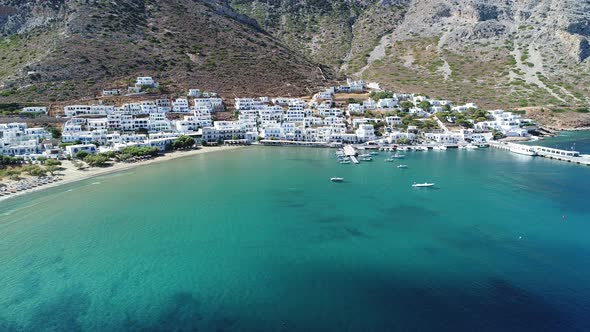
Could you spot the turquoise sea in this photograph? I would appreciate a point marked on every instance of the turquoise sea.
(259, 239)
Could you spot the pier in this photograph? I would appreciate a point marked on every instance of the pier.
(569, 156)
(351, 153)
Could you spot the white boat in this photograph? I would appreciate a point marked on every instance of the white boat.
(421, 185)
(398, 156)
(374, 153)
(403, 148)
(471, 147)
(336, 179)
(389, 160)
(439, 147)
(523, 149)
(402, 166)
(462, 147)
(366, 158)
(364, 155)
(345, 161)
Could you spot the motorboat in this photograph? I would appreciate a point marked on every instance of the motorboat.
(366, 158)
(345, 161)
(374, 153)
(398, 156)
(336, 179)
(421, 185)
(389, 160)
(471, 147)
(402, 166)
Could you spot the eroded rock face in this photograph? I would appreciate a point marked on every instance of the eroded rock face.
(22, 16)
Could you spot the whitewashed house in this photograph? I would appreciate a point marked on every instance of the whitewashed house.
(72, 150)
(365, 133)
(393, 120)
(355, 108)
(180, 105)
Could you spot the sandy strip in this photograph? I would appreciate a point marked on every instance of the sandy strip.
(70, 174)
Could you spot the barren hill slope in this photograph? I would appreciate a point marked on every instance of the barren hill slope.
(496, 52)
(65, 49)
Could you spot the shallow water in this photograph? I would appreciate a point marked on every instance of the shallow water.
(259, 239)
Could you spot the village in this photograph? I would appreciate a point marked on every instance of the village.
(366, 115)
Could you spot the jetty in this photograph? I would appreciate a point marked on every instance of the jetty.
(569, 156)
(351, 153)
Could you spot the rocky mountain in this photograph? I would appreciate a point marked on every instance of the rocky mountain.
(498, 53)
(68, 49)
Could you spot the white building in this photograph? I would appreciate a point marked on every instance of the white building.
(365, 133)
(355, 108)
(180, 106)
(72, 150)
(75, 110)
(145, 81)
(393, 120)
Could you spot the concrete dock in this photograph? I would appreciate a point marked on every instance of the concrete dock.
(569, 156)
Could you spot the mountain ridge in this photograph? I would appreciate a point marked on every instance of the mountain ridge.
(499, 53)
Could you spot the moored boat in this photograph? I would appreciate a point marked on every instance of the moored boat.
(421, 185)
(336, 179)
(402, 166)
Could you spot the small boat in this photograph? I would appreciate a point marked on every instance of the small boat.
(374, 153)
(402, 166)
(364, 155)
(337, 179)
(403, 148)
(345, 161)
(471, 147)
(421, 185)
(366, 159)
(397, 155)
(389, 160)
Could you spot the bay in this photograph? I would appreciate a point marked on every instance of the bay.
(259, 239)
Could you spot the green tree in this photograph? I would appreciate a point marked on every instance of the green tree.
(404, 140)
(446, 108)
(13, 174)
(52, 169)
(406, 105)
(496, 134)
(183, 141)
(96, 160)
(424, 105)
(55, 133)
(381, 95)
(52, 162)
(41, 160)
(81, 154)
(34, 170)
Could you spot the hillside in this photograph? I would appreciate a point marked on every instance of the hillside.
(66, 49)
(497, 53)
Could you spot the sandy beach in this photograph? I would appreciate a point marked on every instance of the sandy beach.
(70, 173)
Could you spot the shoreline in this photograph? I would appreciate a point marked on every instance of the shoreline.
(71, 175)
